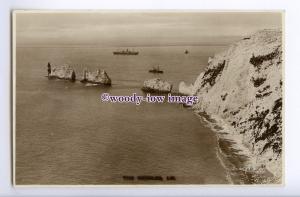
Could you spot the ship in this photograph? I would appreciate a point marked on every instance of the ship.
(186, 52)
(126, 52)
(156, 70)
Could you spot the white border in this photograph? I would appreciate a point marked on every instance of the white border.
(292, 96)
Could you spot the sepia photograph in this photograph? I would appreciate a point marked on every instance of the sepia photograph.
(177, 97)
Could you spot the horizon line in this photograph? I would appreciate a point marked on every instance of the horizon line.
(106, 46)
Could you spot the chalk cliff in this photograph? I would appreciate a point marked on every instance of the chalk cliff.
(242, 86)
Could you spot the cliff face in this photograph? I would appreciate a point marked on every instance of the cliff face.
(243, 87)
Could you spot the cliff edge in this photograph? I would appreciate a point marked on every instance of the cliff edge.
(242, 86)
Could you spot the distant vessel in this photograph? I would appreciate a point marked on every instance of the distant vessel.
(186, 51)
(156, 70)
(126, 52)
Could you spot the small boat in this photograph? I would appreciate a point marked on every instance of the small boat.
(156, 70)
(186, 52)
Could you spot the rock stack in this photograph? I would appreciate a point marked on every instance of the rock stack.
(96, 77)
(157, 85)
(64, 72)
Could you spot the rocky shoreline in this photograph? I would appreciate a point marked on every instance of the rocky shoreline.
(236, 158)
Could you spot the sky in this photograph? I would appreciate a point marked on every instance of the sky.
(139, 28)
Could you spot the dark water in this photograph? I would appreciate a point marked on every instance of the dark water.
(66, 135)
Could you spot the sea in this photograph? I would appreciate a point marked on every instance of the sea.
(65, 134)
